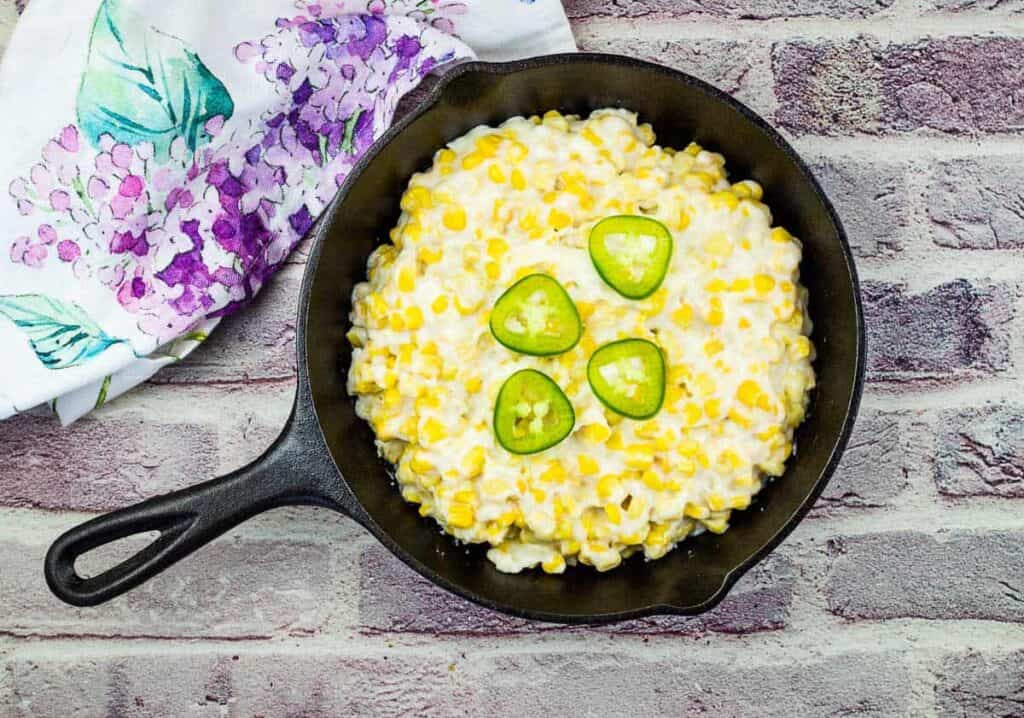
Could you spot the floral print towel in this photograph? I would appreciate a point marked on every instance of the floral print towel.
(163, 159)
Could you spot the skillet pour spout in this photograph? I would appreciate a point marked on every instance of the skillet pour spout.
(326, 454)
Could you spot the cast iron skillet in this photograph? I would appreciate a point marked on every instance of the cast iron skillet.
(326, 457)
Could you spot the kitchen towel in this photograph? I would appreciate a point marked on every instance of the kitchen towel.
(163, 158)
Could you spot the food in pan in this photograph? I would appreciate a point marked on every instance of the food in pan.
(580, 345)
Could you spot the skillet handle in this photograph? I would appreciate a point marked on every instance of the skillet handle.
(295, 470)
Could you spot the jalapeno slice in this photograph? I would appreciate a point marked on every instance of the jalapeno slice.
(628, 376)
(536, 316)
(531, 413)
(631, 253)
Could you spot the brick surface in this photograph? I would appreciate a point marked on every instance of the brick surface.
(910, 574)
(395, 599)
(958, 85)
(238, 587)
(100, 463)
(872, 199)
(981, 685)
(981, 452)
(233, 683)
(731, 66)
(884, 450)
(755, 9)
(977, 203)
(955, 329)
(1001, 6)
(629, 684)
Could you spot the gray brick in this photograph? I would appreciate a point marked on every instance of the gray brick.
(394, 599)
(100, 463)
(959, 85)
(609, 683)
(978, 684)
(872, 199)
(238, 587)
(977, 203)
(981, 452)
(1003, 6)
(884, 450)
(909, 574)
(955, 329)
(225, 683)
(729, 65)
(754, 9)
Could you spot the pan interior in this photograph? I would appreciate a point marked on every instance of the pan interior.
(680, 110)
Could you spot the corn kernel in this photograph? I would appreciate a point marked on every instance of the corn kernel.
(683, 316)
(396, 323)
(454, 218)
(596, 433)
(518, 180)
(748, 392)
(739, 502)
(801, 347)
(461, 516)
(614, 512)
(440, 304)
(492, 270)
(713, 408)
(640, 456)
(716, 525)
(554, 564)
(554, 472)
(713, 347)
(413, 317)
(692, 413)
(763, 283)
(416, 198)
(558, 219)
(434, 430)
(718, 245)
(496, 248)
(686, 467)
(743, 323)
(739, 419)
(473, 160)
(779, 234)
(406, 279)
(652, 480)
(607, 485)
(587, 465)
(695, 512)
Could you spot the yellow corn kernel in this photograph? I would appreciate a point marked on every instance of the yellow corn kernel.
(651, 480)
(538, 495)
(488, 144)
(454, 218)
(744, 481)
(473, 462)
(496, 248)
(692, 413)
(446, 156)
(739, 502)
(704, 385)
(596, 433)
(461, 516)
(715, 315)
(740, 284)
(429, 255)
(743, 323)
(474, 384)
(554, 472)
(747, 392)
(473, 160)
(420, 463)
(718, 245)
(434, 430)
(686, 467)
(647, 135)
(496, 174)
(682, 220)
(801, 347)
(716, 502)
(465, 496)
(731, 459)
(739, 419)
(763, 283)
(640, 456)
(615, 441)
(693, 149)
(396, 323)
(786, 287)
(614, 512)
(440, 304)
(587, 465)
(716, 525)
(592, 137)
(713, 347)
(694, 511)
(713, 408)
(647, 430)
(726, 199)
(683, 316)
(413, 317)
(406, 279)
(716, 285)
(607, 485)
(391, 398)
(492, 270)
(558, 220)
(688, 447)
(779, 234)
(770, 433)
(518, 180)
(416, 198)
(554, 564)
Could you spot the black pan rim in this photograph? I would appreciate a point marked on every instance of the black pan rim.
(451, 74)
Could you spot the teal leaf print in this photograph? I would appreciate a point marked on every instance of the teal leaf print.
(142, 85)
(61, 333)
